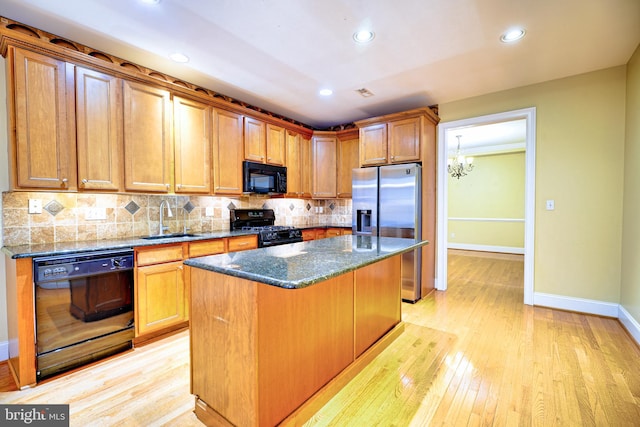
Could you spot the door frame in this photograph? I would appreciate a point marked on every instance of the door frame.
(529, 114)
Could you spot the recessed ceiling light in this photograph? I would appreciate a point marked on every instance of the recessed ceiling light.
(363, 36)
(326, 92)
(513, 35)
(179, 57)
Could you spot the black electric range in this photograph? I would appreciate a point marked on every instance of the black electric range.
(262, 222)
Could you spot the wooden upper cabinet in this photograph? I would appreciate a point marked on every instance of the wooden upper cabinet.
(276, 144)
(192, 151)
(395, 138)
(324, 161)
(373, 145)
(227, 152)
(254, 140)
(404, 140)
(147, 138)
(305, 166)
(348, 145)
(44, 148)
(99, 130)
(294, 173)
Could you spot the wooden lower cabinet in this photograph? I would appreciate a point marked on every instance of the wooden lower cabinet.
(282, 346)
(377, 301)
(323, 233)
(276, 340)
(160, 295)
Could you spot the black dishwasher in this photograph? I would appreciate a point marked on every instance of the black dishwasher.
(83, 308)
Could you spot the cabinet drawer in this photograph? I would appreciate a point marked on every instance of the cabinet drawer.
(242, 243)
(210, 247)
(333, 232)
(158, 255)
(308, 235)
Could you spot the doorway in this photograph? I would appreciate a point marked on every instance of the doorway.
(444, 132)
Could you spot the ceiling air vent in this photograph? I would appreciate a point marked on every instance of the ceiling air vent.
(364, 92)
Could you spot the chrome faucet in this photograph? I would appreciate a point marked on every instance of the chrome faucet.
(163, 227)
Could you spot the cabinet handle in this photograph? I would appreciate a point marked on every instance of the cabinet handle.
(178, 186)
(85, 180)
(168, 185)
(64, 182)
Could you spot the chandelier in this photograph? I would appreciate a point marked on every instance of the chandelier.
(458, 165)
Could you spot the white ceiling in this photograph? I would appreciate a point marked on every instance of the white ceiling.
(277, 54)
(502, 137)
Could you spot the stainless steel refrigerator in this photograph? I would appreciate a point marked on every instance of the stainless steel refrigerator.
(387, 203)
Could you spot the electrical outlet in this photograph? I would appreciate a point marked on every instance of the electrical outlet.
(94, 214)
(35, 206)
(209, 211)
(453, 235)
(551, 205)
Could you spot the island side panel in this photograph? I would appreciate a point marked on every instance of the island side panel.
(21, 320)
(305, 338)
(223, 345)
(377, 301)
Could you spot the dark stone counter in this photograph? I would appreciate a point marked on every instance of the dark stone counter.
(65, 248)
(298, 265)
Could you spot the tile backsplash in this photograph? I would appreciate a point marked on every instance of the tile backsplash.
(80, 216)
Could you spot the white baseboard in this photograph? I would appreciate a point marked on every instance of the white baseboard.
(4, 350)
(632, 326)
(579, 305)
(486, 248)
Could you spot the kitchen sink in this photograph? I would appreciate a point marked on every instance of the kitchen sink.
(167, 236)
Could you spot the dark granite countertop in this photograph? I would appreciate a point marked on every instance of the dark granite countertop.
(298, 265)
(64, 248)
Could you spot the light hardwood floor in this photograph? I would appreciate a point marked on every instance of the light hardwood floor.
(474, 355)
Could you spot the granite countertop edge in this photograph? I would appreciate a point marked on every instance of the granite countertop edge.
(66, 248)
(310, 280)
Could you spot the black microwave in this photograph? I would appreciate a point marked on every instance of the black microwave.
(263, 179)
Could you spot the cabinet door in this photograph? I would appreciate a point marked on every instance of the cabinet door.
(305, 167)
(160, 297)
(254, 140)
(192, 139)
(373, 145)
(276, 137)
(147, 138)
(44, 137)
(294, 173)
(404, 140)
(347, 161)
(99, 130)
(227, 152)
(324, 158)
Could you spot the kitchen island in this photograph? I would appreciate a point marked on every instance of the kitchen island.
(276, 332)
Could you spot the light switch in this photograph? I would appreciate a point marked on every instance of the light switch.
(35, 206)
(551, 205)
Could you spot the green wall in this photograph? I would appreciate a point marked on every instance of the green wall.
(580, 136)
(630, 288)
(493, 190)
